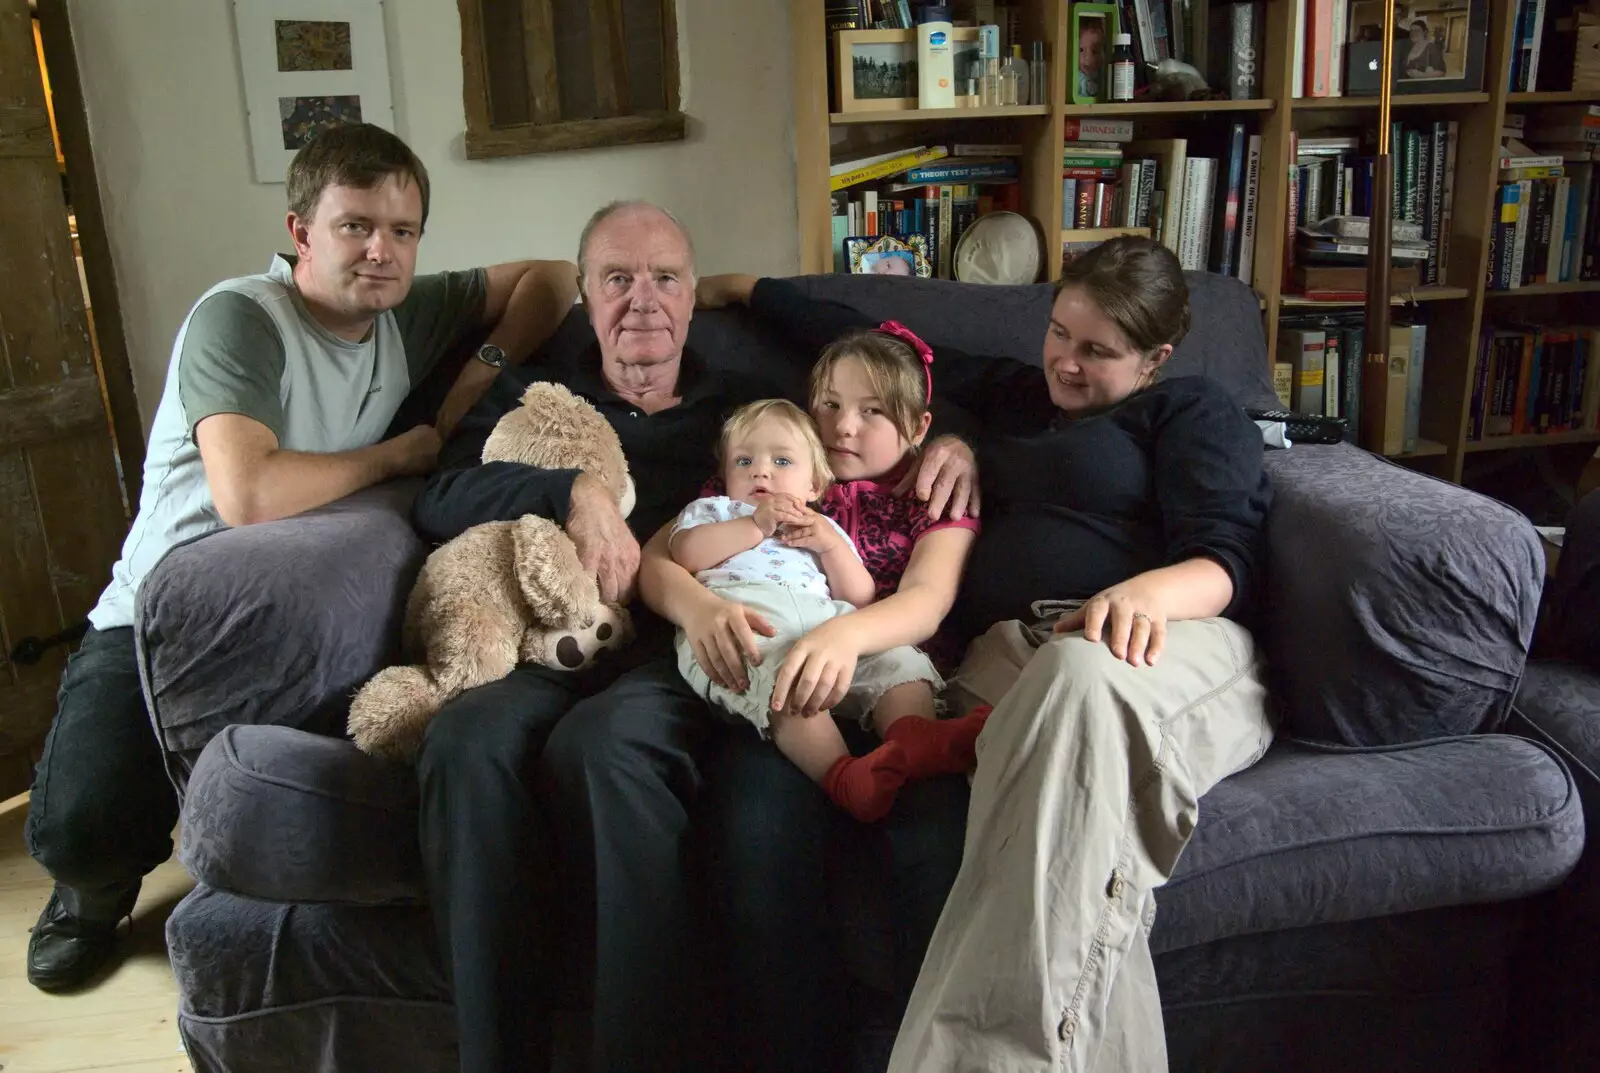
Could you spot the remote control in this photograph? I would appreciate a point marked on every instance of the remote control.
(1304, 428)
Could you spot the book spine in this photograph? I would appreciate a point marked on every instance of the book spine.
(1419, 340)
(1147, 193)
(1244, 53)
(1319, 45)
(963, 173)
(1446, 215)
(1354, 359)
(1247, 220)
(1098, 130)
(1519, 238)
(1225, 233)
(1434, 221)
(1533, 50)
(1336, 50)
(1331, 374)
(1298, 64)
(1292, 203)
(1480, 379)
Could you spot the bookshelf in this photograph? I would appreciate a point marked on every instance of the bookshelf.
(1460, 305)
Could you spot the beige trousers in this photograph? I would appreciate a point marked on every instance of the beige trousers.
(1089, 775)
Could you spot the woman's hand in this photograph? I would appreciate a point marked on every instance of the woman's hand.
(722, 635)
(1131, 616)
(945, 474)
(818, 670)
(714, 292)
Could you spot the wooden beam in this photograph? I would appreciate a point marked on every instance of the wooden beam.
(94, 241)
(25, 132)
(808, 45)
(474, 66)
(539, 48)
(576, 134)
(669, 54)
(44, 412)
(610, 56)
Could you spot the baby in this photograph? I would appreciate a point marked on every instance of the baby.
(761, 546)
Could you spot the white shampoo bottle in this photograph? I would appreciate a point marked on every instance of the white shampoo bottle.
(936, 71)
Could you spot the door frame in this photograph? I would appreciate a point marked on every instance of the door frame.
(105, 313)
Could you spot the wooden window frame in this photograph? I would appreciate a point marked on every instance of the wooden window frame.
(548, 133)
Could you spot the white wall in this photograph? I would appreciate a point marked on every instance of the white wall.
(167, 118)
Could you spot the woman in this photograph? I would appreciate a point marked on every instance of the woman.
(770, 826)
(1143, 498)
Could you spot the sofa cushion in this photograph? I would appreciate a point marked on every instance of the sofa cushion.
(278, 813)
(316, 988)
(1320, 834)
(1395, 607)
(278, 623)
(1563, 701)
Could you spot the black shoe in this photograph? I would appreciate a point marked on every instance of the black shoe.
(66, 951)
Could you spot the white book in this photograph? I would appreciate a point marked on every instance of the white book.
(1538, 32)
(1247, 213)
(1198, 187)
(1299, 48)
(1331, 357)
(1413, 426)
(870, 208)
(1336, 52)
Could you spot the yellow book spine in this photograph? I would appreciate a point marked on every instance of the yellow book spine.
(885, 168)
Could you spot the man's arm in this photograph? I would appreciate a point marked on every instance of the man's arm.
(526, 301)
(253, 480)
(455, 500)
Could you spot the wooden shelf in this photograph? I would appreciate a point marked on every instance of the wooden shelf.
(1420, 294)
(1161, 108)
(1558, 96)
(1414, 100)
(1548, 439)
(1425, 449)
(1581, 287)
(922, 115)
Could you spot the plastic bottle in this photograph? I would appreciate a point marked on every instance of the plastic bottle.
(989, 76)
(1039, 75)
(1122, 69)
(1014, 78)
(936, 66)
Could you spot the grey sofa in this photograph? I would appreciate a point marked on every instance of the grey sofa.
(1358, 900)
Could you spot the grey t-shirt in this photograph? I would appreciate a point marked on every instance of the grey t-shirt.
(250, 347)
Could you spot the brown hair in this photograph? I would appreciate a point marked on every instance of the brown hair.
(896, 374)
(1138, 283)
(752, 414)
(351, 154)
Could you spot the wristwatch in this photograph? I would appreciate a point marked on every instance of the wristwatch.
(492, 356)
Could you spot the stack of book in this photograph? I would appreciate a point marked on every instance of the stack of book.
(1319, 366)
(1331, 258)
(1547, 204)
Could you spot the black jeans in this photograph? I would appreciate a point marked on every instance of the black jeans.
(770, 832)
(102, 808)
(553, 819)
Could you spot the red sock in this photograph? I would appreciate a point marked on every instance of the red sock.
(939, 746)
(865, 786)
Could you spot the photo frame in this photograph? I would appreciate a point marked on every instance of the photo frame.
(876, 70)
(307, 65)
(884, 255)
(1094, 29)
(1438, 46)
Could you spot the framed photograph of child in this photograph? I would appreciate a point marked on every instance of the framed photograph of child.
(888, 255)
(876, 70)
(1094, 30)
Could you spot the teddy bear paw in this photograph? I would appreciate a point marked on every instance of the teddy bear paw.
(579, 649)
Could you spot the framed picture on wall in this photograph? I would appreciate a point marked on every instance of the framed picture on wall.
(1438, 44)
(309, 64)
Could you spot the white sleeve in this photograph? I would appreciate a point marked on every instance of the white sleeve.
(708, 511)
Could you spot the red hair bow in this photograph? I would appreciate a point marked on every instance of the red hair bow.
(924, 351)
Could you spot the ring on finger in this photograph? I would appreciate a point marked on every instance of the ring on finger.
(1141, 614)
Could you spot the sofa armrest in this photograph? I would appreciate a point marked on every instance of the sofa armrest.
(1396, 607)
(277, 623)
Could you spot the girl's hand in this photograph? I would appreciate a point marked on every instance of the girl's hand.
(1131, 616)
(813, 533)
(777, 510)
(945, 475)
(722, 635)
(818, 670)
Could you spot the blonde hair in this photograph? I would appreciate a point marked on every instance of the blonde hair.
(896, 373)
(747, 417)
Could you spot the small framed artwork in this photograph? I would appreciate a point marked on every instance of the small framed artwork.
(308, 65)
(888, 255)
(1438, 45)
(876, 70)
(1094, 31)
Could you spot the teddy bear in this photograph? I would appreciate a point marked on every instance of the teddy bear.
(502, 593)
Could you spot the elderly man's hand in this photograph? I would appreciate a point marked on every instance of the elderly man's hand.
(606, 546)
(945, 475)
(714, 292)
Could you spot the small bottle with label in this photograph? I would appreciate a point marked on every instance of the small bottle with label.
(1039, 74)
(1122, 69)
(989, 75)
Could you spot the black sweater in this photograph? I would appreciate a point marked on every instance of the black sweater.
(1074, 505)
(670, 453)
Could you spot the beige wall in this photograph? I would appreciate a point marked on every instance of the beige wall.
(167, 117)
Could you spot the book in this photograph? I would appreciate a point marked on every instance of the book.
(1234, 53)
(883, 169)
(1247, 219)
(1084, 129)
(1171, 156)
(1342, 280)
(1283, 382)
(963, 171)
(1302, 350)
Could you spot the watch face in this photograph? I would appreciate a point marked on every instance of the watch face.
(490, 354)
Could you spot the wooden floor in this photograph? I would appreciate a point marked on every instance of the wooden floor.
(126, 1019)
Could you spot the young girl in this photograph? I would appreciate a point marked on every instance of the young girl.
(760, 545)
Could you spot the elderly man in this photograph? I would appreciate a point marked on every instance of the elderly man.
(582, 784)
(278, 395)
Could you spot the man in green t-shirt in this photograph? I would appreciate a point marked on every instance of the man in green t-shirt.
(278, 395)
